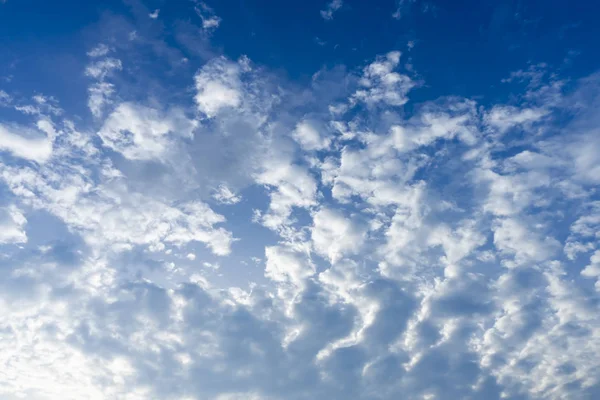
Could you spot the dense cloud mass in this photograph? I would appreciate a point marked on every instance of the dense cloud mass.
(434, 249)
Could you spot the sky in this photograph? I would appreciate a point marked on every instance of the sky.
(299, 200)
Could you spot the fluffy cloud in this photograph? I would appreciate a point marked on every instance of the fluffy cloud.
(335, 236)
(311, 135)
(285, 265)
(292, 187)
(593, 269)
(24, 142)
(12, 223)
(381, 84)
(511, 236)
(408, 252)
(332, 7)
(224, 195)
(108, 215)
(142, 133)
(504, 118)
(218, 86)
(210, 21)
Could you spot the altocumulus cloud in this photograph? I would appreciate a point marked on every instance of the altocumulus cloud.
(443, 248)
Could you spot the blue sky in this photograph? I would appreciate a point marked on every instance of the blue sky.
(299, 200)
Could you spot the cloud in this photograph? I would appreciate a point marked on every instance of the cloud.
(24, 142)
(100, 96)
(210, 21)
(311, 135)
(101, 92)
(218, 87)
(330, 9)
(401, 7)
(12, 223)
(335, 236)
(154, 14)
(512, 237)
(593, 269)
(399, 251)
(5, 98)
(99, 51)
(224, 195)
(106, 216)
(504, 118)
(381, 84)
(286, 265)
(103, 68)
(142, 133)
(292, 186)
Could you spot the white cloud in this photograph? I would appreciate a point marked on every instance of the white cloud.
(107, 215)
(5, 98)
(292, 186)
(25, 142)
(142, 133)
(331, 8)
(311, 135)
(103, 68)
(413, 253)
(210, 21)
(401, 6)
(433, 124)
(12, 223)
(459, 243)
(511, 194)
(504, 118)
(154, 14)
(213, 266)
(99, 97)
(101, 92)
(586, 161)
(593, 269)
(48, 104)
(512, 237)
(381, 84)
(224, 195)
(99, 51)
(584, 232)
(218, 86)
(43, 106)
(334, 236)
(286, 265)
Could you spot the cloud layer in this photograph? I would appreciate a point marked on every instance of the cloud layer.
(446, 250)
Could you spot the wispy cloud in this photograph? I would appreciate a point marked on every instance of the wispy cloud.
(331, 8)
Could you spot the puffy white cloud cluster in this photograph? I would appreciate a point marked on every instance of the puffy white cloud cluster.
(142, 133)
(381, 84)
(446, 252)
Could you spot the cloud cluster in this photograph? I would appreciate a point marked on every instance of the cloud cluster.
(331, 8)
(449, 250)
